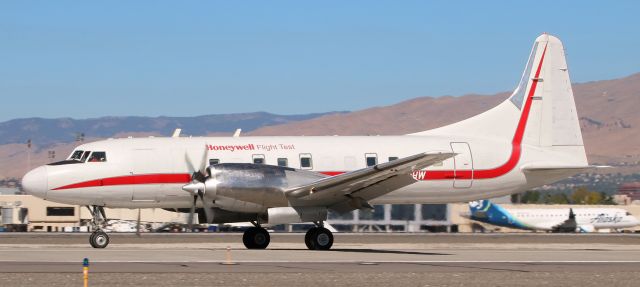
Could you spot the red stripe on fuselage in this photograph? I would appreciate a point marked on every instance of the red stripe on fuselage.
(331, 173)
(132, 179)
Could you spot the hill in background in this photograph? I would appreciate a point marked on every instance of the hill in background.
(46, 132)
(608, 112)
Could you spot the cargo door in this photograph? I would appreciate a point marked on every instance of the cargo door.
(463, 165)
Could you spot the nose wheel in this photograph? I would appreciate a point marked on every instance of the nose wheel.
(318, 238)
(98, 238)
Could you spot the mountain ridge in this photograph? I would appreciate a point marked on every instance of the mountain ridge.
(608, 112)
(46, 132)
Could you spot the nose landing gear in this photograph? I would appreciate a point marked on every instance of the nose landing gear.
(99, 238)
(318, 238)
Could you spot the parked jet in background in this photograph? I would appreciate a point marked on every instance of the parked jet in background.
(531, 139)
(552, 219)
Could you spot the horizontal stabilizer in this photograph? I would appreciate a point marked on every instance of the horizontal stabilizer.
(550, 167)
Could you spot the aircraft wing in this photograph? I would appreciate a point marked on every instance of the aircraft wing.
(547, 226)
(352, 190)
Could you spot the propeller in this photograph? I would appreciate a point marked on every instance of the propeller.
(192, 212)
(198, 187)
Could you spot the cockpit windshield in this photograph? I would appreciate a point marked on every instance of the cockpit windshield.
(80, 156)
(98, 156)
(76, 155)
(85, 155)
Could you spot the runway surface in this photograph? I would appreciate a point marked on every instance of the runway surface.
(356, 259)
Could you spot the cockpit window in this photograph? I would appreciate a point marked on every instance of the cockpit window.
(98, 156)
(76, 155)
(85, 155)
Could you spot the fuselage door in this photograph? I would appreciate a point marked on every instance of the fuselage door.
(463, 165)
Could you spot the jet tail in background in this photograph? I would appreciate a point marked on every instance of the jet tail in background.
(479, 209)
(488, 212)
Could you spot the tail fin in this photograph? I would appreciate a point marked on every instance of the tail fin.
(541, 112)
(479, 208)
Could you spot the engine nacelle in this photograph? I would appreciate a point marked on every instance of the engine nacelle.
(255, 183)
(284, 215)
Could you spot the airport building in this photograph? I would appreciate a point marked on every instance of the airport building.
(628, 193)
(28, 213)
(397, 217)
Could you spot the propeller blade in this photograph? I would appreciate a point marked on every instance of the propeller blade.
(204, 164)
(201, 173)
(192, 212)
(189, 163)
(207, 206)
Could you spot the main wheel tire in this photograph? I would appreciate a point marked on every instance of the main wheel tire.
(99, 239)
(256, 238)
(93, 234)
(246, 238)
(322, 239)
(308, 238)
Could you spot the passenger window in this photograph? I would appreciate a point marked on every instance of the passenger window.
(283, 162)
(371, 158)
(305, 161)
(214, 161)
(85, 156)
(98, 156)
(392, 158)
(258, 159)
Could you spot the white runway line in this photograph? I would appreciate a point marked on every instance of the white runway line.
(355, 261)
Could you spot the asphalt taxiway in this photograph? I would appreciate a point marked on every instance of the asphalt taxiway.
(356, 259)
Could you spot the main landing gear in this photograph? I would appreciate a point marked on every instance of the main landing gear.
(256, 237)
(99, 238)
(318, 238)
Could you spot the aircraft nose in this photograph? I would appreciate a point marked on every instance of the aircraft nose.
(35, 182)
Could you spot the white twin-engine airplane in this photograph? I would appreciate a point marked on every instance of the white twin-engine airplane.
(531, 139)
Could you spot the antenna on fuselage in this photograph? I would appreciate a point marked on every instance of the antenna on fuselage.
(237, 133)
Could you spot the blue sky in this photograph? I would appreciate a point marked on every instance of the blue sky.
(86, 59)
